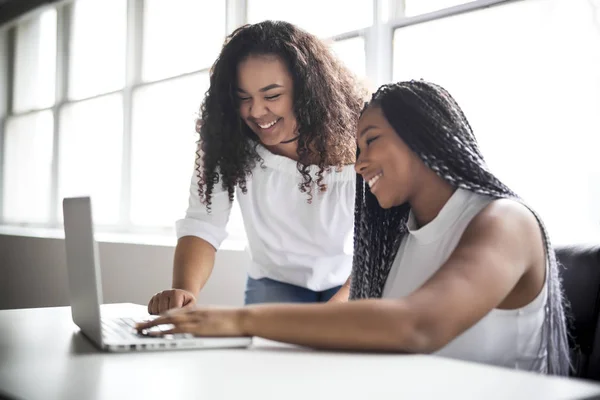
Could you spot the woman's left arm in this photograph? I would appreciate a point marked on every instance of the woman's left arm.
(490, 259)
(343, 294)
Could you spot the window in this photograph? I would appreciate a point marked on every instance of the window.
(164, 152)
(98, 38)
(35, 64)
(28, 162)
(181, 36)
(352, 53)
(3, 77)
(526, 74)
(529, 96)
(164, 148)
(90, 154)
(323, 18)
(416, 7)
(334, 17)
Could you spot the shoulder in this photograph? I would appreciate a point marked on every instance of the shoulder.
(508, 224)
(506, 215)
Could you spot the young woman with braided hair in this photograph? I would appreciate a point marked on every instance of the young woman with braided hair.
(447, 259)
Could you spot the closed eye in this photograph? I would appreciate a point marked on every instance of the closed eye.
(244, 98)
(272, 97)
(371, 140)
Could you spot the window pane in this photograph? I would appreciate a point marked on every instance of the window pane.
(333, 16)
(97, 63)
(28, 162)
(91, 137)
(163, 148)
(531, 95)
(181, 36)
(352, 53)
(35, 62)
(164, 151)
(416, 7)
(3, 73)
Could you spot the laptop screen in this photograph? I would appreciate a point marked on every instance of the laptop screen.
(83, 267)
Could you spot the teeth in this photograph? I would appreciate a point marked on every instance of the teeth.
(267, 126)
(374, 180)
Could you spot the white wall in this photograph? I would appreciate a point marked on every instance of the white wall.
(33, 273)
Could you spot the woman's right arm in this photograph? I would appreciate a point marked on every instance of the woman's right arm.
(192, 265)
(199, 235)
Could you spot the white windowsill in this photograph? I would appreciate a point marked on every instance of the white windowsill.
(147, 239)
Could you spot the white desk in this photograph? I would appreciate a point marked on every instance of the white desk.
(42, 356)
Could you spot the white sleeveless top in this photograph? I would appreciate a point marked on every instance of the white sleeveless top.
(509, 338)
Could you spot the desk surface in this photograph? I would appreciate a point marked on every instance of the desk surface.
(43, 356)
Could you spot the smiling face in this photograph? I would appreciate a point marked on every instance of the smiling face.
(265, 91)
(385, 162)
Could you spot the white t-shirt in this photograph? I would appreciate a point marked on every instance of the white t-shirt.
(509, 338)
(289, 240)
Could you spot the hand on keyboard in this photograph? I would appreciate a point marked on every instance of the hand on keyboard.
(199, 322)
(169, 299)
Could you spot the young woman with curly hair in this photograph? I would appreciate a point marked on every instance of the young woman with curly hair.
(447, 259)
(276, 132)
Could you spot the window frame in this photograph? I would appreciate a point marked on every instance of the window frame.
(388, 16)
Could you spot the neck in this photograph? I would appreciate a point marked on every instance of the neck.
(429, 199)
(291, 140)
(287, 149)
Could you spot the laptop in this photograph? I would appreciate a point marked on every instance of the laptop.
(112, 334)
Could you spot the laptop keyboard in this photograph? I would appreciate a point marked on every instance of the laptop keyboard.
(118, 329)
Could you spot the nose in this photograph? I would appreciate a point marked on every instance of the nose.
(360, 164)
(257, 110)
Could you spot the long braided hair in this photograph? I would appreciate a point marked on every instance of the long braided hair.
(434, 127)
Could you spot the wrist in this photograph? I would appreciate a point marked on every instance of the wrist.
(189, 290)
(245, 320)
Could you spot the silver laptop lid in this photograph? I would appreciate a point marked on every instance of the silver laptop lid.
(83, 267)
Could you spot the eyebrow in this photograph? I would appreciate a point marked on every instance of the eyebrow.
(265, 89)
(369, 127)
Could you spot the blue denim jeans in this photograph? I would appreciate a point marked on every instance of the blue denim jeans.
(266, 290)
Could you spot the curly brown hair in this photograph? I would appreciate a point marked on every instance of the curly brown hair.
(327, 103)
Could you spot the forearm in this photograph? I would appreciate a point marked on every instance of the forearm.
(193, 263)
(343, 294)
(357, 325)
